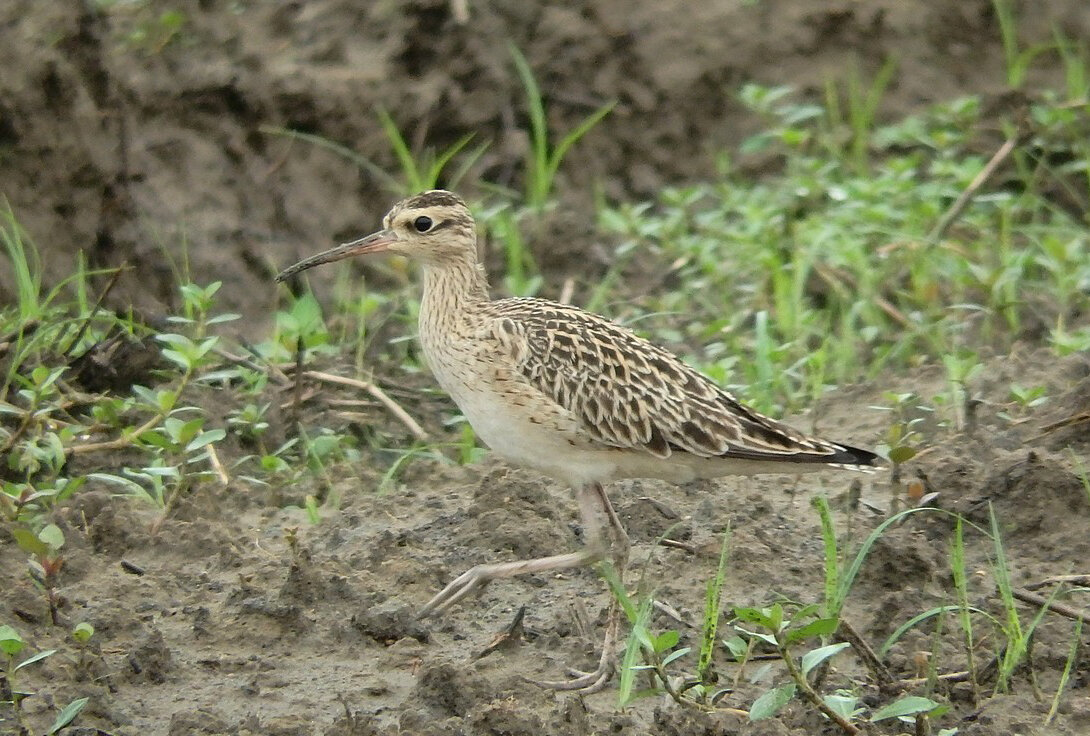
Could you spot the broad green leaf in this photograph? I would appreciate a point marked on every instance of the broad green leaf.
(226, 317)
(36, 658)
(675, 655)
(819, 627)
(131, 485)
(813, 658)
(666, 640)
(205, 345)
(906, 706)
(67, 715)
(771, 702)
(10, 641)
(52, 535)
(737, 646)
(844, 706)
(171, 338)
(205, 438)
(82, 632)
(760, 616)
(902, 454)
(775, 614)
(632, 652)
(29, 542)
(177, 358)
(766, 638)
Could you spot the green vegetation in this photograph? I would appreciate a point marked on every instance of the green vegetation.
(834, 269)
(11, 647)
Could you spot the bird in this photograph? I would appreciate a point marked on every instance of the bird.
(573, 395)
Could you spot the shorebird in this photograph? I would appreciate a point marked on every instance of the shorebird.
(573, 395)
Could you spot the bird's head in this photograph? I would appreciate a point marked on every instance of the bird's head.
(433, 227)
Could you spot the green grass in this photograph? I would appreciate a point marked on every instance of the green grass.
(544, 157)
(822, 275)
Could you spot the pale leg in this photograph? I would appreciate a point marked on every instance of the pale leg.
(589, 499)
(592, 682)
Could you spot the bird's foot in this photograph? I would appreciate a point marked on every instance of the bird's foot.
(475, 578)
(586, 683)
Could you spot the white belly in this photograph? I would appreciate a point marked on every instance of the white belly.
(532, 436)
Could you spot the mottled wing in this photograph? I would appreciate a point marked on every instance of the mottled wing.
(628, 393)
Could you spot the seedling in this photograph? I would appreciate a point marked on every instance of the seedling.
(1024, 399)
(543, 160)
(423, 172)
(11, 645)
(45, 561)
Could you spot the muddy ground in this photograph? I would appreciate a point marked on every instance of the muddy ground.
(122, 136)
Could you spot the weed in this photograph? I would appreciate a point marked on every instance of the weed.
(11, 646)
(862, 106)
(784, 626)
(712, 611)
(961, 586)
(419, 171)
(45, 562)
(1018, 60)
(543, 159)
(1018, 640)
(422, 172)
(1066, 674)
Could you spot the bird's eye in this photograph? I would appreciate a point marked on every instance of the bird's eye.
(422, 224)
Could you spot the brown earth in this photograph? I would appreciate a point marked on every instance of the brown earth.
(239, 617)
(124, 145)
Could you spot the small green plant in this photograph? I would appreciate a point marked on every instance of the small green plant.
(1024, 399)
(785, 120)
(1017, 638)
(45, 561)
(423, 172)
(642, 644)
(419, 172)
(149, 32)
(543, 159)
(11, 646)
(906, 432)
(1065, 676)
(1018, 60)
(961, 368)
(862, 107)
(175, 440)
(67, 715)
(785, 626)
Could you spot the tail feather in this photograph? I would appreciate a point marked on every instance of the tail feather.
(843, 456)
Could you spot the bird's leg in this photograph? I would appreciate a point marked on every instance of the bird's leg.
(592, 682)
(479, 576)
(621, 543)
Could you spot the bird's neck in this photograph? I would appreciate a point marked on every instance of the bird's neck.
(451, 288)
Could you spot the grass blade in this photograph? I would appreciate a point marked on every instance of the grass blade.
(832, 558)
(961, 586)
(712, 607)
(1066, 674)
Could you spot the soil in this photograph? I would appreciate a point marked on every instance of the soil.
(121, 137)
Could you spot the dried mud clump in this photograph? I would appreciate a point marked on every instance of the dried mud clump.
(150, 660)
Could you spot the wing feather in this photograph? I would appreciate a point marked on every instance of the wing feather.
(629, 393)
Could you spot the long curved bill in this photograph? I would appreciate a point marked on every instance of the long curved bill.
(373, 243)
